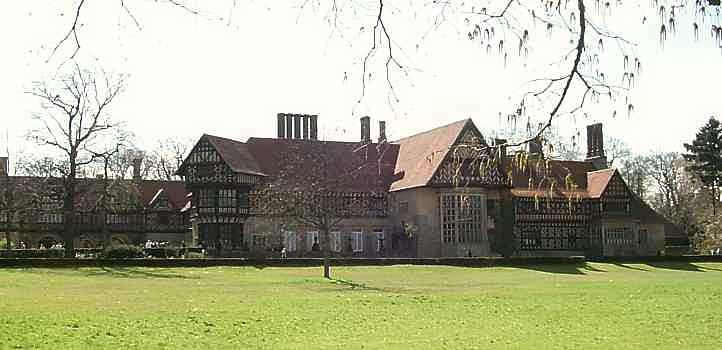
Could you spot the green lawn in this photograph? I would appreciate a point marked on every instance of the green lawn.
(597, 306)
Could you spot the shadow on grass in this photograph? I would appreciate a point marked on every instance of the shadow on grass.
(565, 269)
(630, 267)
(128, 272)
(677, 265)
(354, 285)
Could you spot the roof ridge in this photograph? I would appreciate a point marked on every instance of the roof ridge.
(600, 170)
(222, 138)
(434, 129)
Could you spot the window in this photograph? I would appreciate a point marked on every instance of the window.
(291, 240)
(117, 219)
(205, 198)
(357, 241)
(379, 240)
(619, 236)
(643, 236)
(462, 218)
(227, 198)
(336, 241)
(312, 242)
(51, 218)
(259, 240)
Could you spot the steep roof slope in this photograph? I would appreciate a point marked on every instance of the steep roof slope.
(558, 173)
(420, 155)
(235, 154)
(347, 166)
(175, 190)
(598, 181)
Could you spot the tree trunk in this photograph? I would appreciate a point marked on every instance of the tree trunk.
(326, 250)
(326, 268)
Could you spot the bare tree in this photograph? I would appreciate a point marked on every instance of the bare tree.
(320, 186)
(616, 150)
(162, 162)
(74, 122)
(636, 175)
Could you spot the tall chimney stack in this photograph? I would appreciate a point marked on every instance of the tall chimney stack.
(366, 129)
(289, 126)
(382, 131)
(304, 119)
(281, 126)
(4, 166)
(137, 162)
(595, 146)
(296, 126)
(313, 128)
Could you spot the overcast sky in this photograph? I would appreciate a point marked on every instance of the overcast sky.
(229, 71)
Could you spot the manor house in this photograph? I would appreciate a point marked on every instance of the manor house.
(441, 193)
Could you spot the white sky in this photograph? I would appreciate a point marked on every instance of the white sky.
(191, 75)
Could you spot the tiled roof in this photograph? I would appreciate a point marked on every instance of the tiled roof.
(175, 190)
(420, 155)
(91, 189)
(598, 181)
(347, 166)
(235, 154)
(558, 172)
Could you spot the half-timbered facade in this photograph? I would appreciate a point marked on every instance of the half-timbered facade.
(427, 195)
(108, 212)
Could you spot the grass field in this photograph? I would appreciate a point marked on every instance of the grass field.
(596, 306)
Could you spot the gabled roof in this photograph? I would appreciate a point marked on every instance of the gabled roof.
(235, 154)
(597, 181)
(558, 172)
(174, 190)
(420, 155)
(348, 166)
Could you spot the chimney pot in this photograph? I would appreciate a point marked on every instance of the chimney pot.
(366, 129)
(313, 128)
(137, 162)
(382, 131)
(4, 166)
(289, 126)
(281, 126)
(305, 126)
(296, 126)
(595, 146)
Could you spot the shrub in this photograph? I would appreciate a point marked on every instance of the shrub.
(123, 251)
(194, 255)
(32, 253)
(162, 253)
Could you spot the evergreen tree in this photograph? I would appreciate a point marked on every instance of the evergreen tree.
(705, 155)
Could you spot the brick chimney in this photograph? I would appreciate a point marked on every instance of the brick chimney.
(137, 162)
(313, 128)
(4, 166)
(281, 126)
(304, 122)
(366, 129)
(296, 126)
(382, 131)
(595, 146)
(289, 126)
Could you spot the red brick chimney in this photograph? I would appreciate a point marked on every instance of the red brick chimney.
(595, 146)
(366, 129)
